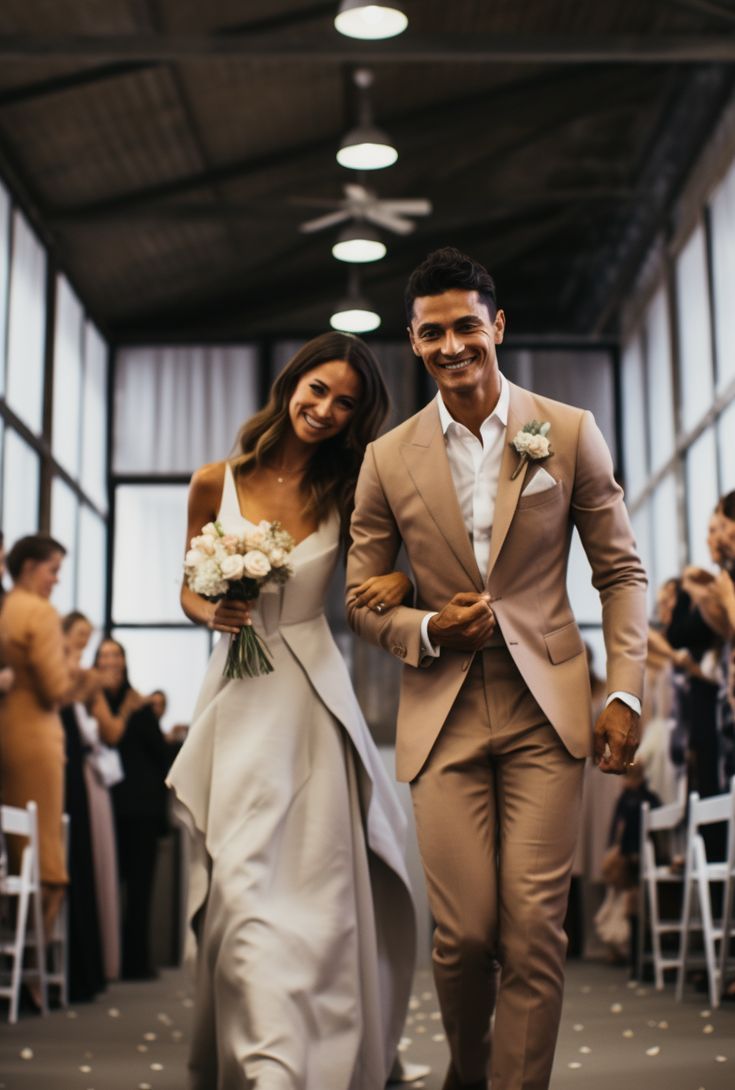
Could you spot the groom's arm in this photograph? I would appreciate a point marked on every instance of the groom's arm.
(376, 542)
(619, 577)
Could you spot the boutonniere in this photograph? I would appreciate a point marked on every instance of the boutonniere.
(532, 443)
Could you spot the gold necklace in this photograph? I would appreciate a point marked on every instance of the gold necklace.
(282, 477)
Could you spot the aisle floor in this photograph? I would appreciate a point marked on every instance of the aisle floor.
(614, 1035)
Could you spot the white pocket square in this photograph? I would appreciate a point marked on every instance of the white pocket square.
(540, 482)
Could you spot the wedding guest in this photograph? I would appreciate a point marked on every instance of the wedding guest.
(31, 735)
(139, 801)
(86, 971)
(6, 673)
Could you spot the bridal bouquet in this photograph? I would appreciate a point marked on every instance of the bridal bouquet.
(220, 565)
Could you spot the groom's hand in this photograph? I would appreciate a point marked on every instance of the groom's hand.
(465, 624)
(617, 734)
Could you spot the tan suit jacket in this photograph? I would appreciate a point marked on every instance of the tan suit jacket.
(405, 495)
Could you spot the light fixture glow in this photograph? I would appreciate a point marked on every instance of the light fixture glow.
(358, 243)
(356, 19)
(366, 149)
(355, 320)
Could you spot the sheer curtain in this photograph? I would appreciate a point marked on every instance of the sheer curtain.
(67, 407)
(4, 267)
(723, 274)
(26, 325)
(179, 407)
(695, 341)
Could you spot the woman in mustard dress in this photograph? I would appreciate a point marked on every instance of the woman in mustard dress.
(31, 735)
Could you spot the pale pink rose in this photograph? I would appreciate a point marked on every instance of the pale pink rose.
(194, 557)
(211, 530)
(232, 567)
(229, 543)
(204, 543)
(256, 564)
(537, 446)
(278, 557)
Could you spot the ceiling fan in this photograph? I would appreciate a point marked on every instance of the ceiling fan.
(360, 203)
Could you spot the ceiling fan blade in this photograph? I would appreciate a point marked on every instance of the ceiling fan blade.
(321, 222)
(316, 202)
(378, 215)
(408, 207)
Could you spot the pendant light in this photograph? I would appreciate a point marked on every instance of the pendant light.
(357, 19)
(359, 243)
(354, 314)
(366, 147)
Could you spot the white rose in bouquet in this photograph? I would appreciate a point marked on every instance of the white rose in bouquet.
(236, 566)
(204, 578)
(205, 543)
(256, 564)
(278, 557)
(232, 567)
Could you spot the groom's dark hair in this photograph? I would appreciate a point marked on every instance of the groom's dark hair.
(446, 269)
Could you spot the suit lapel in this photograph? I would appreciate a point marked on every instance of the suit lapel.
(427, 463)
(520, 411)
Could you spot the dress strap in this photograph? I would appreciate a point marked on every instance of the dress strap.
(229, 504)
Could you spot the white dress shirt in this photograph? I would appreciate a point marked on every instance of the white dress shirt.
(475, 467)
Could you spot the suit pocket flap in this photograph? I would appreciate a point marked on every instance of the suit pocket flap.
(564, 643)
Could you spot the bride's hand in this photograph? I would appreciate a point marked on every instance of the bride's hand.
(229, 616)
(382, 592)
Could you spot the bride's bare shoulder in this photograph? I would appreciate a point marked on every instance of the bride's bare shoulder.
(207, 481)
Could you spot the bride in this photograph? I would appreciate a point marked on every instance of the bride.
(298, 895)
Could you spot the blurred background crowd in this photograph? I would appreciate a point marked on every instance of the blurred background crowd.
(78, 738)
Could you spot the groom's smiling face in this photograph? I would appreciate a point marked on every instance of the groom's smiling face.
(455, 337)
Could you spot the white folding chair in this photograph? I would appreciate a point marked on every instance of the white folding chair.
(19, 892)
(700, 875)
(56, 952)
(663, 821)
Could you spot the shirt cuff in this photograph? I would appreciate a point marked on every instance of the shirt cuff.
(627, 698)
(426, 645)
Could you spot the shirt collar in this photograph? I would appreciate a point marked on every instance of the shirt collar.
(500, 410)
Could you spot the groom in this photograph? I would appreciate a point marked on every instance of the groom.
(494, 716)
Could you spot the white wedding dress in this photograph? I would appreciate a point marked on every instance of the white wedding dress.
(298, 891)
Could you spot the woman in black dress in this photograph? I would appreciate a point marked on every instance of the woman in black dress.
(139, 801)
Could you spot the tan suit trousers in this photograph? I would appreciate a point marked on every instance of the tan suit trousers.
(497, 808)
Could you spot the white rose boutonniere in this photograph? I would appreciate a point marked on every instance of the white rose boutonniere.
(532, 443)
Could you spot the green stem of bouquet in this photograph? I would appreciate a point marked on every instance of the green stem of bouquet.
(247, 655)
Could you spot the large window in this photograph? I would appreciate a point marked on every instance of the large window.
(722, 211)
(694, 327)
(4, 268)
(68, 362)
(54, 469)
(26, 325)
(634, 417)
(701, 494)
(21, 488)
(660, 385)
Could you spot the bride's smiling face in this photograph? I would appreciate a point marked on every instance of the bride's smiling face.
(324, 401)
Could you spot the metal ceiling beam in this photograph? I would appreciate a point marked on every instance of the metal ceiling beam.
(719, 11)
(685, 127)
(568, 96)
(329, 48)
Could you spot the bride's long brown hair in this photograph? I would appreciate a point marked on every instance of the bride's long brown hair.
(332, 470)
